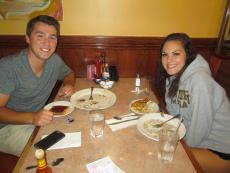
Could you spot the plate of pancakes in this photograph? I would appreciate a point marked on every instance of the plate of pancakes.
(60, 108)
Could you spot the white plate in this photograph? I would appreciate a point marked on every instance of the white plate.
(102, 98)
(156, 116)
(155, 105)
(60, 103)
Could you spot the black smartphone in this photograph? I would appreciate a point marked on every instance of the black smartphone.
(49, 140)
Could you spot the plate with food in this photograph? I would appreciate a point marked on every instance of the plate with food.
(102, 99)
(143, 106)
(145, 125)
(60, 108)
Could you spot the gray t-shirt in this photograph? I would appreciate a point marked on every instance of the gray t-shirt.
(27, 91)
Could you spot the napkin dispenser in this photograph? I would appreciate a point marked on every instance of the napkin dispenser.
(113, 73)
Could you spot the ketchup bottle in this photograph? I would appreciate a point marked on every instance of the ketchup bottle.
(98, 68)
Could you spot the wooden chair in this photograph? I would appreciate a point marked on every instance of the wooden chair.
(214, 64)
(7, 162)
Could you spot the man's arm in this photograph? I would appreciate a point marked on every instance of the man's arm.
(68, 85)
(10, 116)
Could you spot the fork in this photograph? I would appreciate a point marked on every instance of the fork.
(91, 94)
(162, 123)
(161, 110)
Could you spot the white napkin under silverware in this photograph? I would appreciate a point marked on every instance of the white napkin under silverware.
(123, 123)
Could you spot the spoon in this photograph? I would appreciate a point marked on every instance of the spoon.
(57, 161)
(161, 110)
(123, 116)
(162, 123)
(53, 163)
(178, 126)
(91, 94)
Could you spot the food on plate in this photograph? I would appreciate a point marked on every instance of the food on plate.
(94, 102)
(81, 100)
(144, 105)
(59, 109)
(152, 130)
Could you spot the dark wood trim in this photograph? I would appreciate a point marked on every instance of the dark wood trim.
(192, 158)
(101, 42)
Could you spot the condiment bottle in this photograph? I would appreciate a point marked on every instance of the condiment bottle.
(137, 83)
(98, 68)
(41, 162)
(105, 73)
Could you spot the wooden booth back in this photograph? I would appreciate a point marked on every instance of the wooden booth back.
(129, 54)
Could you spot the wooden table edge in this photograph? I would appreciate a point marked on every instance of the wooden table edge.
(25, 151)
(191, 157)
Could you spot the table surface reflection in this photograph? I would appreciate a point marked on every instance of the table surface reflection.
(128, 148)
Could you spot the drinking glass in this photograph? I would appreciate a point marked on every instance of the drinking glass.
(167, 144)
(97, 123)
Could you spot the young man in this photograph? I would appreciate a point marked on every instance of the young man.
(26, 82)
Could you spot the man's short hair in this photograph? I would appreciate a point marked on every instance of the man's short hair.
(44, 19)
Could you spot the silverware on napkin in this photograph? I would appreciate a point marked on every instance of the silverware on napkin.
(123, 121)
(54, 163)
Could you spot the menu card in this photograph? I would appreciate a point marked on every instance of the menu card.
(104, 165)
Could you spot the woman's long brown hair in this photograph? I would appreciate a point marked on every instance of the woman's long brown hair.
(162, 75)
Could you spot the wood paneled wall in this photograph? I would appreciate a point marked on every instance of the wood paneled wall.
(129, 54)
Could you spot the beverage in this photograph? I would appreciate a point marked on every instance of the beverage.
(167, 145)
(97, 124)
(166, 152)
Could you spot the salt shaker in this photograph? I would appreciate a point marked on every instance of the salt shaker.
(137, 83)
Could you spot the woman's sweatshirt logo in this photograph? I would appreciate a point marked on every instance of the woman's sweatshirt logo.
(182, 99)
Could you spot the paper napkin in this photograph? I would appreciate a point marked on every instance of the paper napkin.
(123, 123)
(70, 140)
(104, 165)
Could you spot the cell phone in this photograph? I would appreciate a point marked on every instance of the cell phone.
(49, 140)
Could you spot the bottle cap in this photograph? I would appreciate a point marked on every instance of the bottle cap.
(39, 153)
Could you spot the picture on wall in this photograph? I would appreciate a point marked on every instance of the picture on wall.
(26, 9)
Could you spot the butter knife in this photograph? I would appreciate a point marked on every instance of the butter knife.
(124, 121)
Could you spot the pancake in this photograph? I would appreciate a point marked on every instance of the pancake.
(59, 109)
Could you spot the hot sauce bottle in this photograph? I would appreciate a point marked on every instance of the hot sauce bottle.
(98, 68)
(41, 162)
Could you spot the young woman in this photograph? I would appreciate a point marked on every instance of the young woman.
(185, 79)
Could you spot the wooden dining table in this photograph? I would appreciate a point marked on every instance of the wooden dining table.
(128, 148)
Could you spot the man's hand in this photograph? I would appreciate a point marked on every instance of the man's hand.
(68, 86)
(42, 117)
(66, 91)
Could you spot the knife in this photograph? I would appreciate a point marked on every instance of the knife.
(123, 121)
(54, 163)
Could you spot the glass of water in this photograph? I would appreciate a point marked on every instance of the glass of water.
(167, 145)
(97, 123)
